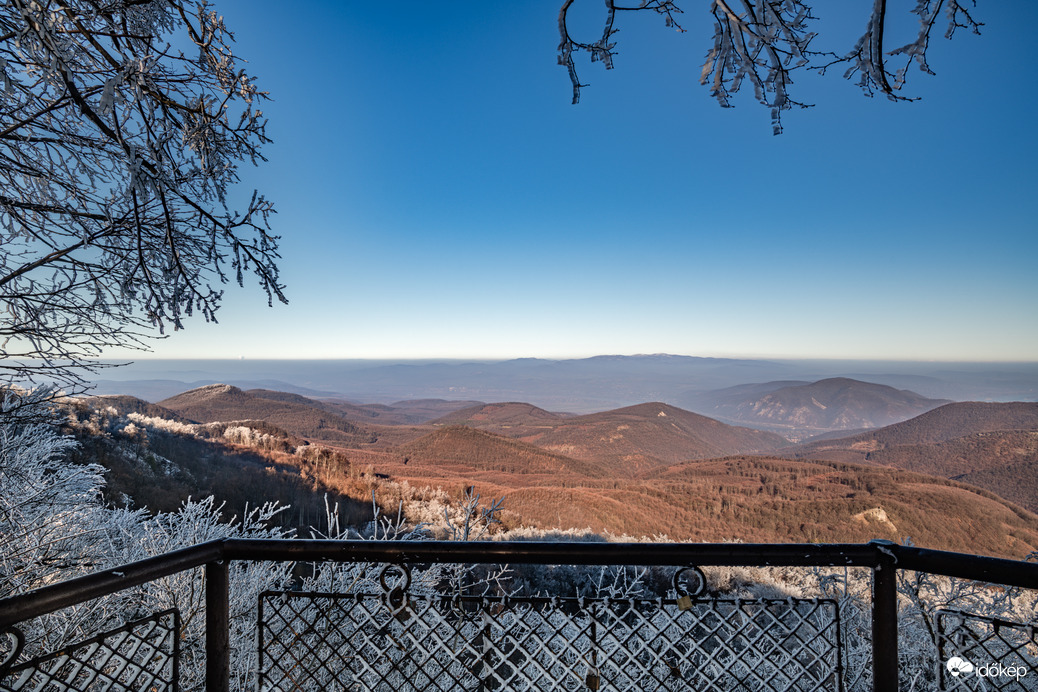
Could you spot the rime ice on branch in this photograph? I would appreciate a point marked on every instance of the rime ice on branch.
(117, 152)
(764, 42)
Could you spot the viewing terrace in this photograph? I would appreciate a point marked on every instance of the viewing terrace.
(435, 615)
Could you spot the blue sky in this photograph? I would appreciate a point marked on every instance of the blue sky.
(439, 196)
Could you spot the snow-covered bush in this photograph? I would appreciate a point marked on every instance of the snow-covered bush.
(163, 424)
(50, 511)
(198, 522)
(53, 526)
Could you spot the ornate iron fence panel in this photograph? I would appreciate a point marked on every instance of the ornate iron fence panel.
(984, 653)
(400, 641)
(140, 656)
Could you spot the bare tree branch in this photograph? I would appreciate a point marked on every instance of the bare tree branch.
(764, 42)
(117, 153)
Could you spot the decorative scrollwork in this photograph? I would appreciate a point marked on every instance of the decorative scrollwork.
(12, 640)
(402, 583)
(395, 587)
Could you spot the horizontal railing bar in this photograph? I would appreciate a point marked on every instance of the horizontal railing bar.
(61, 595)
(995, 570)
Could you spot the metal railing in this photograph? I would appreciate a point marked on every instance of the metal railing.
(429, 618)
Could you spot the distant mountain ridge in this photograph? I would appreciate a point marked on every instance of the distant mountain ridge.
(581, 385)
(837, 403)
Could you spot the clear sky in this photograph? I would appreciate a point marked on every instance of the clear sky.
(439, 196)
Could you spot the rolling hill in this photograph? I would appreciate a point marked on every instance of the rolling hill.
(991, 445)
(124, 404)
(400, 413)
(295, 414)
(477, 452)
(627, 440)
(945, 423)
(656, 469)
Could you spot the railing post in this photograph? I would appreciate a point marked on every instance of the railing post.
(884, 619)
(217, 627)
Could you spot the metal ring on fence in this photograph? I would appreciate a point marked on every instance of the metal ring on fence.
(396, 595)
(681, 581)
(402, 584)
(17, 642)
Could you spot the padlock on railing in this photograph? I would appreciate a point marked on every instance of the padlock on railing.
(689, 582)
(592, 680)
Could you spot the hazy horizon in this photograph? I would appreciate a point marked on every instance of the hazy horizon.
(575, 385)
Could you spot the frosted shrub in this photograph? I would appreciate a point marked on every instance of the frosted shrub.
(467, 521)
(50, 510)
(163, 424)
(53, 526)
(198, 522)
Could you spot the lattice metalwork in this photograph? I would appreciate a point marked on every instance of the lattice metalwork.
(396, 641)
(141, 656)
(983, 653)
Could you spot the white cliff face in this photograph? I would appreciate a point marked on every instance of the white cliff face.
(875, 518)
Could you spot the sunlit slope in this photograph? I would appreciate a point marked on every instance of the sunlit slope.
(297, 415)
(991, 445)
(628, 440)
(763, 500)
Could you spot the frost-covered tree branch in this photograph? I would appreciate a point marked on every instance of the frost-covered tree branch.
(868, 58)
(117, 154)
(764, 42)
(602, 50)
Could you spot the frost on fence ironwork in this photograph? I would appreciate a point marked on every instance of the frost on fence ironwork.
(985, 653)
(140, 656)
(396, 641)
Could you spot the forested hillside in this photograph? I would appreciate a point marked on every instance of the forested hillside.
(643, 470)
(158, 463)
(216, 403)
(626, 440)
(990, 445)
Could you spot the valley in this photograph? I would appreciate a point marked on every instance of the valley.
(957, 477)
